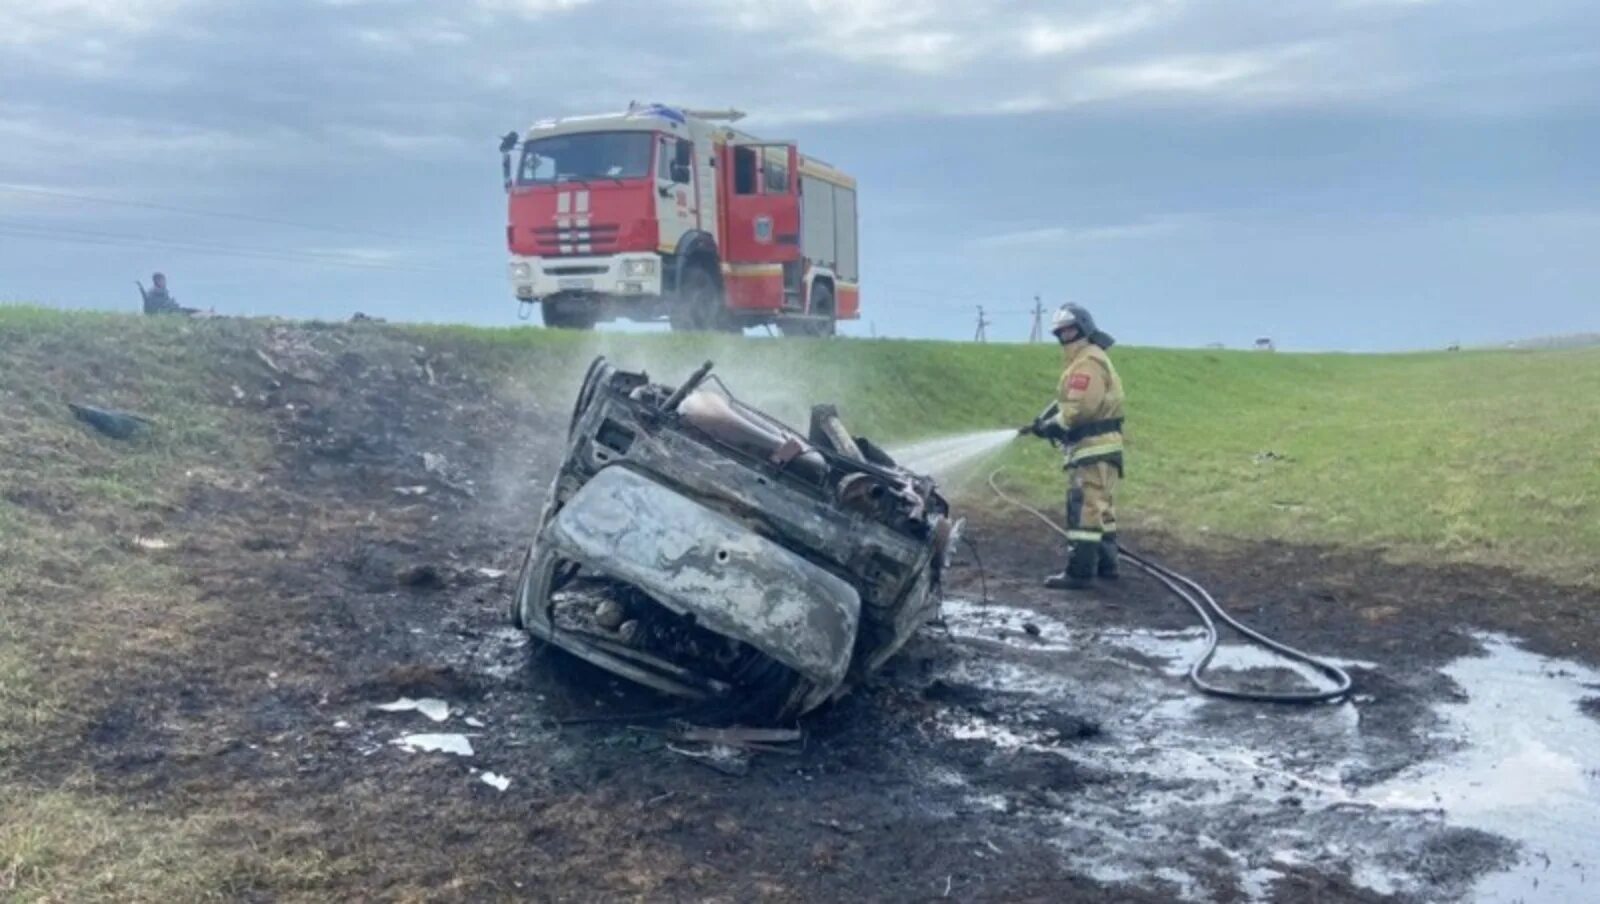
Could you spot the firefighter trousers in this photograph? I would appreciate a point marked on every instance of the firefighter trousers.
(1092, 519)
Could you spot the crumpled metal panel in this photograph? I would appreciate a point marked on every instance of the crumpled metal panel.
(696, 560)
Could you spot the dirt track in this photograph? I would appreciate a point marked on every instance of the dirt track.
(993, 761)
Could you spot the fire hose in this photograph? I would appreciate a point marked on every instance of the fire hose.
(1210, 611)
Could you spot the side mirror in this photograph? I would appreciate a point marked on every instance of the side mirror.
(508, 143)
(680, 173)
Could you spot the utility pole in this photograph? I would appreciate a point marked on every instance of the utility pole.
(1037, 333)
(982, 335)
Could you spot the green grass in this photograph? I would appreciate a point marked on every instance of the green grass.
(1486, 456)
(81, 608)
(71, 846)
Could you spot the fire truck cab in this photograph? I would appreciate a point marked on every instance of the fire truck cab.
(660, 213)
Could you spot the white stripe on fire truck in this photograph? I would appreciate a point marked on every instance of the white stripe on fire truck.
(583, 201)
(563, 202)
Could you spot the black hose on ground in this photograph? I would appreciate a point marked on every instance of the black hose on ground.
(1205, 606)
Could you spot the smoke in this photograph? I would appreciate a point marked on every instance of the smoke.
(529, 449)
(754, 369)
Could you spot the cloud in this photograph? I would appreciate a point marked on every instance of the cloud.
(1055, 36)
(530, 9)
(33, 22)
(1197, 73)
(1049, 236)
(182, 79)
(408, 144)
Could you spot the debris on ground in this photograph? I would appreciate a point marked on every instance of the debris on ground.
(457, 744)
(732, 560)
(432, 707)
(767, 740)
(115, 424)
(497, 782)
(153, 544)
(726, 760)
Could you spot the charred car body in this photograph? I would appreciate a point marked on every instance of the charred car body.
(698, 546)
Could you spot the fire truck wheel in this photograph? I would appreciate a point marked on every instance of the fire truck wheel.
(566, 316)
(821, 306)
(700, 305)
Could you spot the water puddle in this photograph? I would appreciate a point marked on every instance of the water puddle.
(1527, 767)
(1275, 790)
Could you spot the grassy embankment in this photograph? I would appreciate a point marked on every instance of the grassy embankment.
(1489, 457)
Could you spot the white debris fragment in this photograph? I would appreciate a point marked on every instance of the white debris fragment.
(341, 725)
(433, 463)
(440, 743)
(497, 782)
(475, 723)
(492, 574)
(153, 543)
(411, 491)
(432, 707)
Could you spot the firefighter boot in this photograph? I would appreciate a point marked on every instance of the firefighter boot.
(1080, 568)
(1107, 568)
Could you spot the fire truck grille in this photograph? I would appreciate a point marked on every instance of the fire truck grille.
(578, 238)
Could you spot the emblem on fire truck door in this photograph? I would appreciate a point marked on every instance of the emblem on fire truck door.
(764, 230)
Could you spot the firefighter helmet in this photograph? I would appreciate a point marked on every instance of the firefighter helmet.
(1072, 315)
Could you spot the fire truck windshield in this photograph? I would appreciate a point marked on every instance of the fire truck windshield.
(590, 155)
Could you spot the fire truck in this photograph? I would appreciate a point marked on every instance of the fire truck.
(661, 213)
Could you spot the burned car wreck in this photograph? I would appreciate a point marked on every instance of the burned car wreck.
(698, 546)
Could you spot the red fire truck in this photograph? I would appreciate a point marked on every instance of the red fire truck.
(660, 213)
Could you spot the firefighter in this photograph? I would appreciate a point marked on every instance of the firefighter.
(1089, 426)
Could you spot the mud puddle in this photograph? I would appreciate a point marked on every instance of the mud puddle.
(1491, 796)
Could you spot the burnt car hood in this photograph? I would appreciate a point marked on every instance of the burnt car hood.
(699, 562)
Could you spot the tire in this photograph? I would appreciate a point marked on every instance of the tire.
(567, 317)
(821, 303)
(700, 304)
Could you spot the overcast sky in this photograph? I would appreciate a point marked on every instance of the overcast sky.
(1351, 174)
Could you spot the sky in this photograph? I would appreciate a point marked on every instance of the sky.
(1362, 175)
